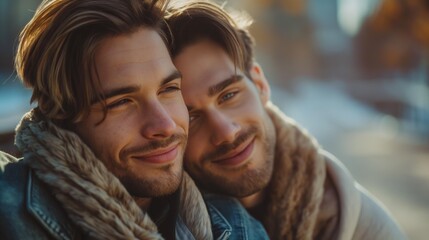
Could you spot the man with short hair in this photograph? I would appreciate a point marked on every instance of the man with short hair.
(103, 149)
(241, 145)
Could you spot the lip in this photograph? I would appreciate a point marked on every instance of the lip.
(237, 156)
(160, 156)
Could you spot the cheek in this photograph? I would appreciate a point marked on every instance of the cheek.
(192, 166)
(253, 108)
(178, 111)
(105, 141)
(192, 148)
(195, 149)
(108, 138)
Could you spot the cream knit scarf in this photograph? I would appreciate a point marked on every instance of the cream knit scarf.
(296, 189)
(92, 196)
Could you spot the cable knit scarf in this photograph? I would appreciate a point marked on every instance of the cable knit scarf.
(91, 195)
(296, 189)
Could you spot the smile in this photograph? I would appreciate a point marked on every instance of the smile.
(160, 156)
(238, 155)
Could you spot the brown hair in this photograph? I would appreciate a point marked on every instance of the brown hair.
(199, 20)
(55, 56)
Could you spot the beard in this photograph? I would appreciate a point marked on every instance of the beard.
(250, 181)
(159, 181)
(245, 180)
(165, 184)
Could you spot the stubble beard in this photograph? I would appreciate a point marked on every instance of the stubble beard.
(167, 183)
(167, 179)
(250, 181)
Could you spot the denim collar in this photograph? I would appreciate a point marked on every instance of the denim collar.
(44, 207)
(220, 226)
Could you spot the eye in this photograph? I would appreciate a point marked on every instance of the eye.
(192, 118)
(171, 88)
(227, 96)
(118, 103)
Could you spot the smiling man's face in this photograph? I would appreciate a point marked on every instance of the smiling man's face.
(231, 138)
(143, 137)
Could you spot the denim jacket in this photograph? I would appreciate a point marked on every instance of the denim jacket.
(230, 220)
(28, 210)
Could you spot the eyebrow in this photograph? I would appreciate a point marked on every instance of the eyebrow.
(218, 87)
(215, 89)
(134, 88)
(174, 75)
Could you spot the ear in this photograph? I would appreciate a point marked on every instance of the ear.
(260, 82)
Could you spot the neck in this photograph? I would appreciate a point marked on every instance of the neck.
(253, 200)
(143, 203)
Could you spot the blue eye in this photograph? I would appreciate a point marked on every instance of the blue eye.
(227, 96)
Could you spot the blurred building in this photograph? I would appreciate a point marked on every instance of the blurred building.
(392, 52)
(377, 48)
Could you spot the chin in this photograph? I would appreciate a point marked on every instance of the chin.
(154, 187)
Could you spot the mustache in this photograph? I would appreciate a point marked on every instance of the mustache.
(225, 148)
(153, 145)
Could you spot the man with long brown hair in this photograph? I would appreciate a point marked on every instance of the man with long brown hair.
(103, 149)
(241, 145)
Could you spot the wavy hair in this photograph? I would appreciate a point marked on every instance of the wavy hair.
(55, 55)
(193, 21)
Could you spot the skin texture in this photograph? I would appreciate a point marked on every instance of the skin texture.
(143, 137)
(231, 137)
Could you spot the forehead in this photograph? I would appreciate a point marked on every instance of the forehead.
(141, 54)
(203, 64)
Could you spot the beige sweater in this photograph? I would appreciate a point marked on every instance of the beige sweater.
(362, 216)
(313, 196)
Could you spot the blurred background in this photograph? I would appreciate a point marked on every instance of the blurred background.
(355, 73)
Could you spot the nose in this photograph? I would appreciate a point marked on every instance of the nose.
(223, 128)
(157, 122)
